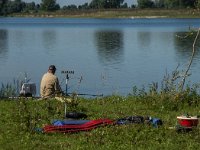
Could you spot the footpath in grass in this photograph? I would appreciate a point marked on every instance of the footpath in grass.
(20, 118)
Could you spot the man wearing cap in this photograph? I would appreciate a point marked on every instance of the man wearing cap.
(49, 86)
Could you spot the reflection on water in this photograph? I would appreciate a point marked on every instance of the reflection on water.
(184, 44)
(19, 38)
(49, 39)
(109, 46)
(144, 39)
(129, 51)
(3, 43)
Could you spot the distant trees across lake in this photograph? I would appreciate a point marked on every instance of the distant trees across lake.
(19, 6)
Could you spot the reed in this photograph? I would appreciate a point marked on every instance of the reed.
(10, 89)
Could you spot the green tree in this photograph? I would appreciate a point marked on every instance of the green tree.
(84, 6)
(30, 6)
(2, 7)
(70, 7)
(145, 3)
(125, 5)
(49, 5)
(15, 6)
(188, 3)
(197, 4)
(171, 3)
(180, 3)
(133, 6)
(159, 3)
(113, 3)
(2, 3)
(97, 4)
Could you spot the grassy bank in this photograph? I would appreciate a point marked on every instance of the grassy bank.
(19, 118)
(118, 13)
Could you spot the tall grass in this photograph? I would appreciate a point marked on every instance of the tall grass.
(10, 89)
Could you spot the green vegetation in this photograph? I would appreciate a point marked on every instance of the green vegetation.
(49, 5)
(113, 13)
(103, 9)
(20, 117)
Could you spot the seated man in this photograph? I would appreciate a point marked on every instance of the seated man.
(49, 86)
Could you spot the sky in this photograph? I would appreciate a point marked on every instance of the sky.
(77, 2)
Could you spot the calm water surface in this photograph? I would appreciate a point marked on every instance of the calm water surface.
(107, 55)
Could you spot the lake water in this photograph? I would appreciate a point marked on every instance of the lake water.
(107, 55)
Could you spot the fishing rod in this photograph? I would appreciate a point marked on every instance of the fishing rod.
(98, 95)
(67, 73)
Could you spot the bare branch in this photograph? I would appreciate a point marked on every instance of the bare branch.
(190, 62)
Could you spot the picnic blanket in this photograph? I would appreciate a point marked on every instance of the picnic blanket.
(76, 126)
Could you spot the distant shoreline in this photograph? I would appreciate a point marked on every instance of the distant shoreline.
(116, 13)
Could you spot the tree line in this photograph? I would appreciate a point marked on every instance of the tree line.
(17, 6)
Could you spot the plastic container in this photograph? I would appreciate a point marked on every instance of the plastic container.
(188, 121)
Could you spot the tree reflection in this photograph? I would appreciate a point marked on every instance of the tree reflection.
(3, 42)
(184, 44)
(49, 37)
(144, 39)
(110, 46)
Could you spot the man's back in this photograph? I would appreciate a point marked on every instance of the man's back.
(49, 85)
